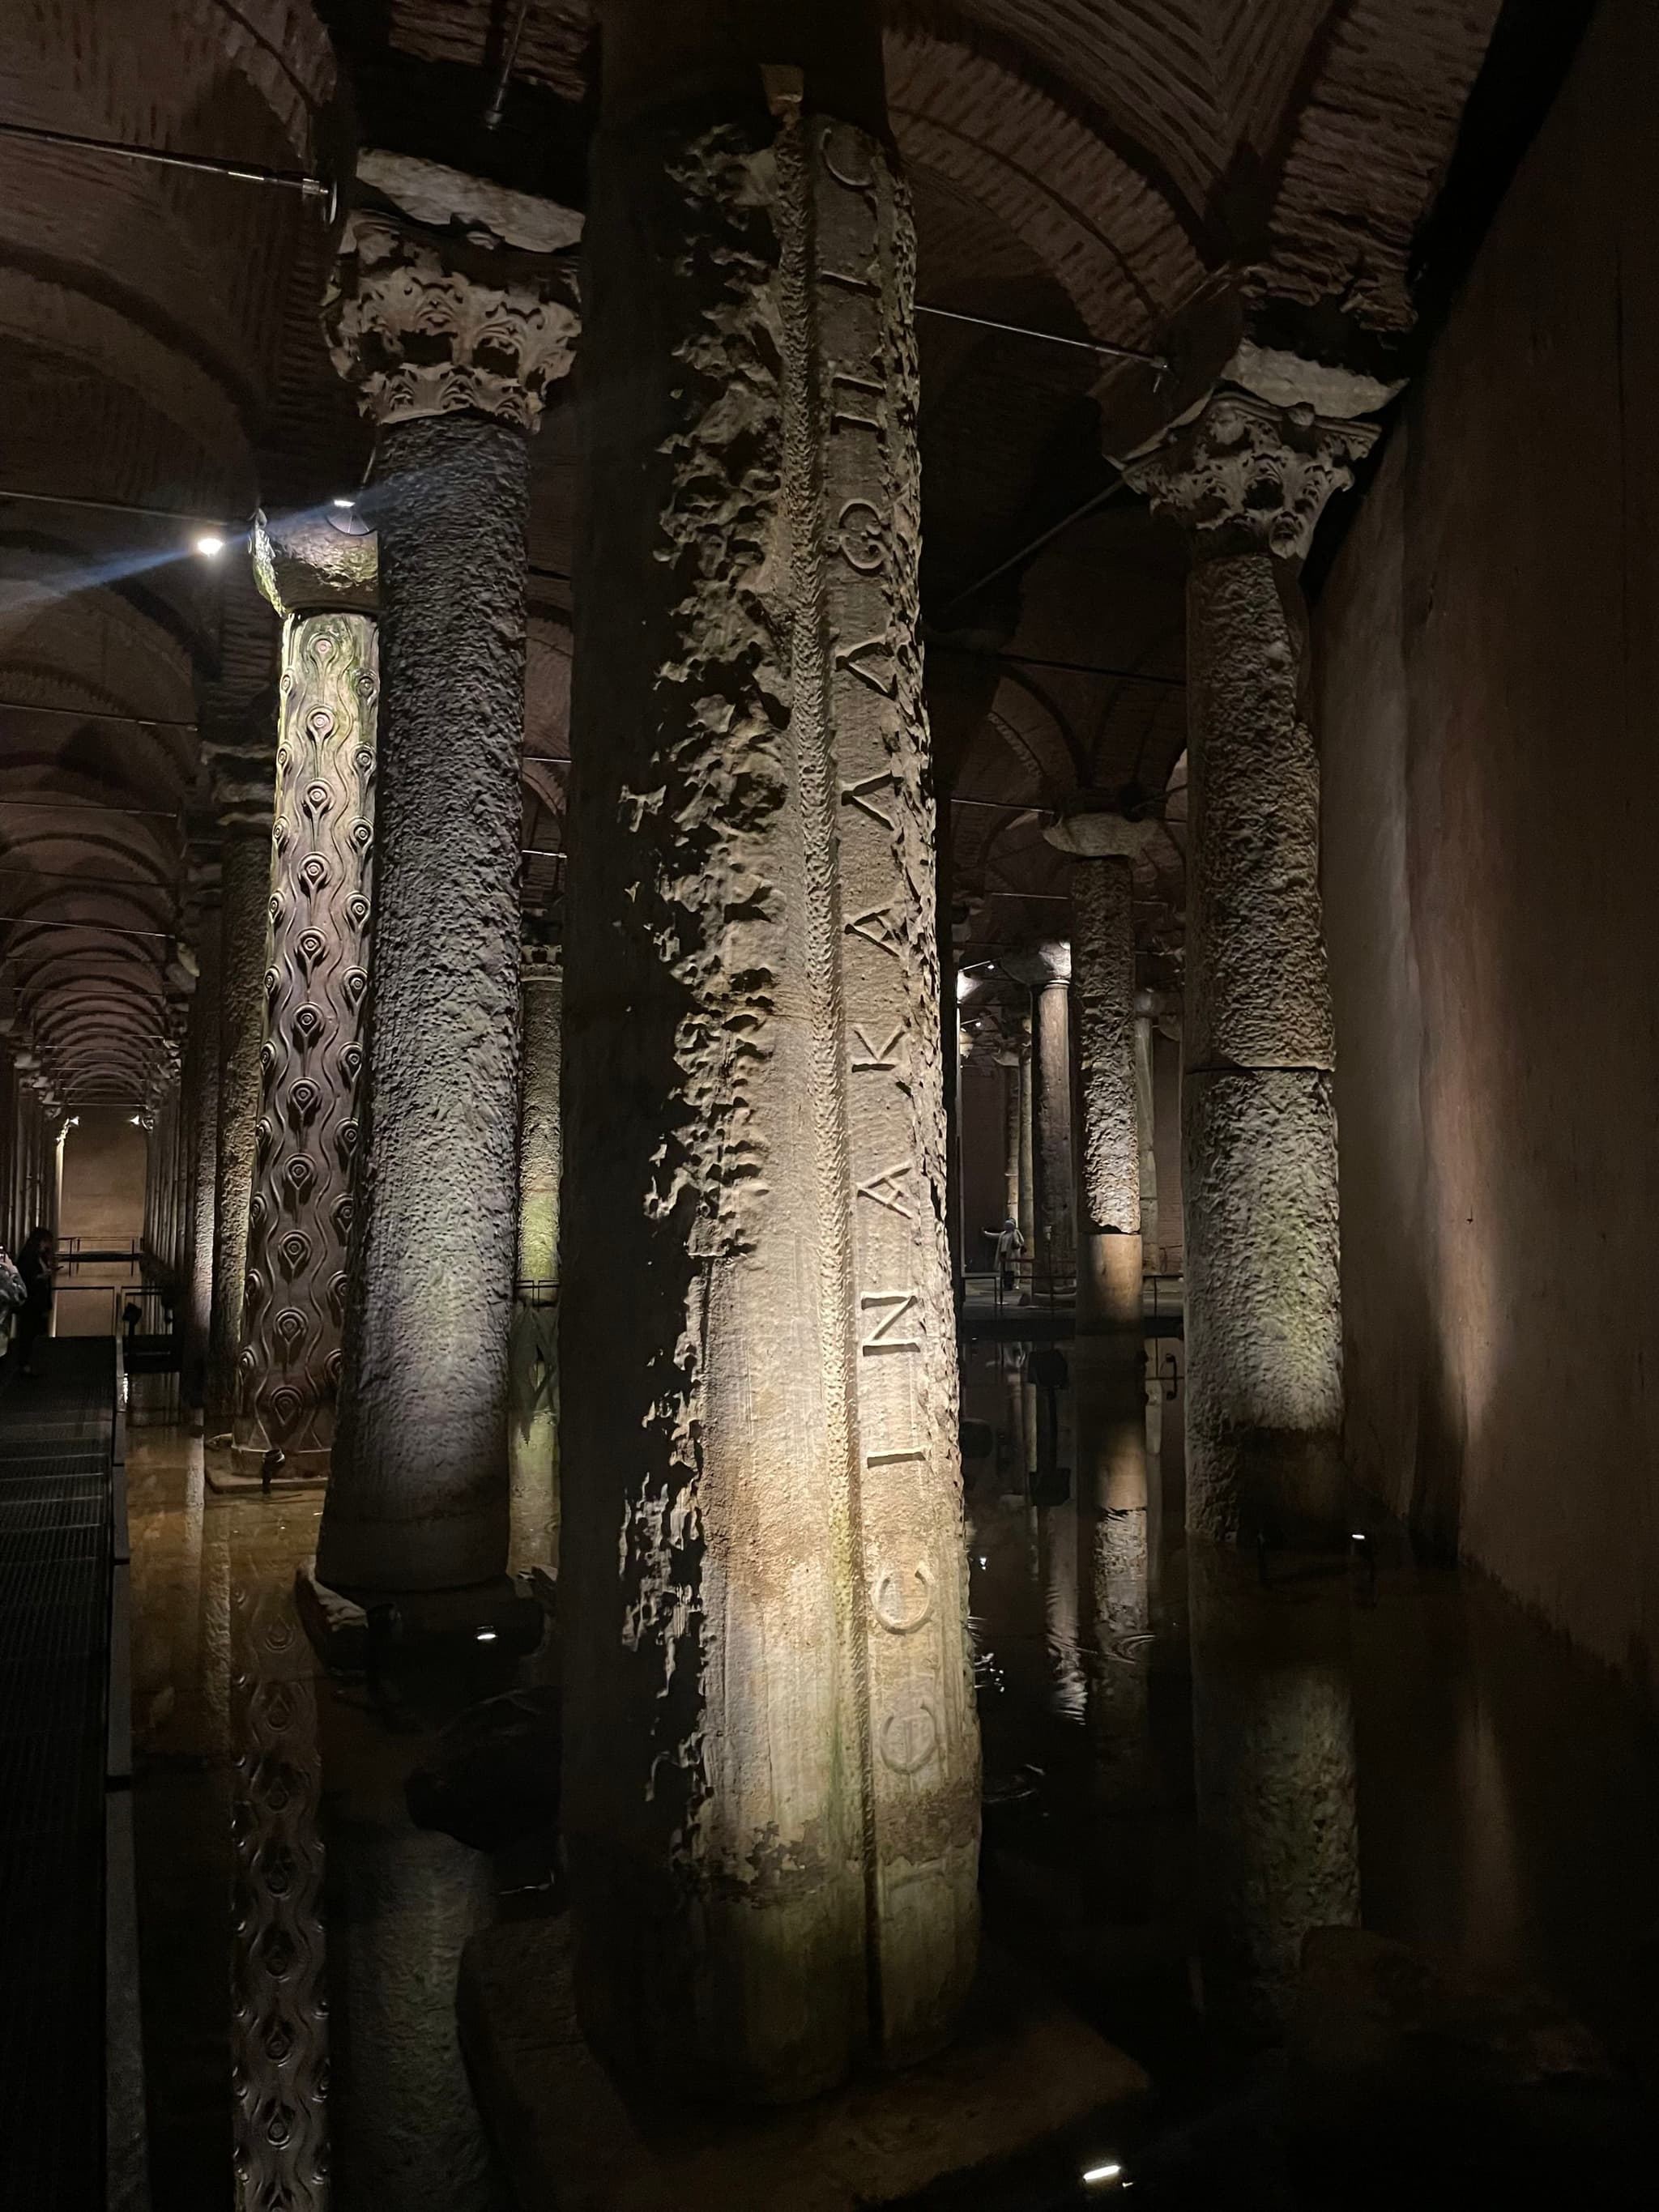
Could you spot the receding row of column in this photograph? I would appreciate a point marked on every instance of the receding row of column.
(771, 1789)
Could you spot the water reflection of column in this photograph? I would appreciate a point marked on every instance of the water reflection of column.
(1116, 1561)
(1274, 1759)
(279, 2018)
(1059, 1551)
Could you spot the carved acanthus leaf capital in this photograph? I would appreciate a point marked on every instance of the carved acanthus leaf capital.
(451, 294)
(1242, 474)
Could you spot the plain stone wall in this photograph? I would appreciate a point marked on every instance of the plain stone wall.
(1490, 721)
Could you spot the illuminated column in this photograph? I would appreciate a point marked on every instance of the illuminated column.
(201, 1092)
(1048, 971)
(771, 1755)
(318, 574)
(1027, 1216)
(1146, 1005)
(1264, 1324)
(243, 785)
(533, 1434)
(1009, 1062)
(452, 309)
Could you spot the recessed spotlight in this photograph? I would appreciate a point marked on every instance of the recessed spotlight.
(209, 546)
(1095, 2177)
(486, 1636)
(342, 503)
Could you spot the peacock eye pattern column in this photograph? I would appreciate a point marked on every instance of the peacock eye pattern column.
(1249, 479)
(320, 578)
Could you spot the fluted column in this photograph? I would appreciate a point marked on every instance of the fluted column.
(201, 1092)
(318, 574)
(244, 784)
(1264, 1327)
(533, 1433)
(453, 310)
(771, 1782)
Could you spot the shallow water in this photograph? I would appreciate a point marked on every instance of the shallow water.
(1187, 1762)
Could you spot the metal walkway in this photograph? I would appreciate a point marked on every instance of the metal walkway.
(63, 1729)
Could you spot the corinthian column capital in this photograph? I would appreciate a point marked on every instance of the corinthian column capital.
(451, 294)
(1243, 475)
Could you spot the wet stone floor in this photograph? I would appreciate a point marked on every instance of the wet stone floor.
(1189, 1763)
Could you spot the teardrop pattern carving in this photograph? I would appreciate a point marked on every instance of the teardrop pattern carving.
(317, 960)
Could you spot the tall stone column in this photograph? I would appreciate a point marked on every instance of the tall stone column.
(1146, 1004)
(533, 1435)
(452, 309)
(1027, 1135)
(1264, 1325)
(1009, 1063)
(1048, 971)
(771, 1783)
(201, 1093)
(244, 792)
(319, 576)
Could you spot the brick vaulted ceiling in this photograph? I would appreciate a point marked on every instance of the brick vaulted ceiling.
(1100, 169)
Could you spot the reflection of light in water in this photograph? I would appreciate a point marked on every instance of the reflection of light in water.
(1059, 1605)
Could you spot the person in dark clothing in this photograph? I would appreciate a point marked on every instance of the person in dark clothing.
(37, 1263)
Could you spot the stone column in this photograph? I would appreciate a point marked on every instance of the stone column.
(1009, 1062)
(771, 1782)
(452, 309)
(318, 574)
(533, 1434)
(1027, 1216)
(243, 782)
(1048, 971)
(201, 1092)
(1146, 1005)
(1264, 1327)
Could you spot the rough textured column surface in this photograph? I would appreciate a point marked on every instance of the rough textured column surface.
(1146, 1112)
(1109, 1164)
(316, 982)
(451, 309)
(246, 888)
(1264, 1333)
(201, 1089)
(533, 1440)
(419, 1497)
(1027, 1137)
(771, 1791)
(1009, 1064)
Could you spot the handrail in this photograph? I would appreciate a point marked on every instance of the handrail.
(127, 2148)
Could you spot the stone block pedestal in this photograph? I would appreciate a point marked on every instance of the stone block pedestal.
(1025, 2078)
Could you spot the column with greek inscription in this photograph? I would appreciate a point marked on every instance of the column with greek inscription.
(1264, 1321)
(317, 571)
(772, 1758)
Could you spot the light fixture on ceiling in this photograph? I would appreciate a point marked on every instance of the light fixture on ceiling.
(209, 546)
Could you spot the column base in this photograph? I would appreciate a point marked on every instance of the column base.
(512, 1616)
(233, 1469)
(1024, 2080)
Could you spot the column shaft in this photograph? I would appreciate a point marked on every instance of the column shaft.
(533, 1433)
(1012, 1129)
(1027, 1216)
(316, 979)
(200, 1079)
(244, 897)
(418, 1497)
(1264, 1322)
(771, 1778)
(1052, 1124)
(1108, 1179)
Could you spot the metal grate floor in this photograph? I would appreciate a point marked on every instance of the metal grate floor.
(54, 1618)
